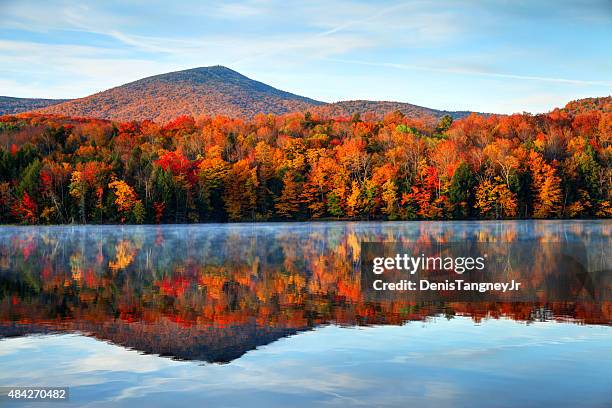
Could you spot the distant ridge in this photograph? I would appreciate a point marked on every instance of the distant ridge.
(10, 105)
(380, 108)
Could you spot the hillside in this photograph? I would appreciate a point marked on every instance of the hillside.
(208, 90)
(10, 105)
(603, 104)
(212, 91)
(380, 108)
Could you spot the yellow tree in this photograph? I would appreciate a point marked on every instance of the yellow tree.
(78, 190)
(384, 180)
(390, 199)
(353, 202)
(546, 186)
(126, 200)
(495, 200)
(500, 153)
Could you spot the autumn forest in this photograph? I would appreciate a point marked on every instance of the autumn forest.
(305, 166)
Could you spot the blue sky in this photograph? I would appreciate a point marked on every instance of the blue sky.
(495, 56)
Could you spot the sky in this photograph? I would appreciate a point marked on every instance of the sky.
(499, 56)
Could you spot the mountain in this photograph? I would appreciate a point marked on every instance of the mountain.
(208, 90)
(213, 90)
(380, 108)
(10, 105)
(218, 90)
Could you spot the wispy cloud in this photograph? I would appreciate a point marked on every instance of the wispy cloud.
(423, 52)
(466, 71)
(31, 69)
(373, 17)
(365, 32)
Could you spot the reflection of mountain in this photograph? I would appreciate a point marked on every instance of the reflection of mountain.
(165, 337)
(213, 293)
(170, 337)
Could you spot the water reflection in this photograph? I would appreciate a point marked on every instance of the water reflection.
(213, 292)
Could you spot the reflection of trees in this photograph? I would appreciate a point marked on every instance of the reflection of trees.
(274, 279)
(124, 255)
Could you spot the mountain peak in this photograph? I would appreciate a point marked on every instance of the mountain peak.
(213, 90)
(198, 75)
(213, 69)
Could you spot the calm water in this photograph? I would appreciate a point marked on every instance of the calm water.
(273, 315)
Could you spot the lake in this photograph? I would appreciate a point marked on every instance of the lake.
(273, 314)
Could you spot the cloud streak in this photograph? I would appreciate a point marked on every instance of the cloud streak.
(436, 54)
(466, 71)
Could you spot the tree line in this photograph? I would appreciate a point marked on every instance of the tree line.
(300, 166)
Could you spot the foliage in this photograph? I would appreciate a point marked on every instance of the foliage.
(297, 166)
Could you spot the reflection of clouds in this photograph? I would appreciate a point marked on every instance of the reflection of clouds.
(150, 386)
(435, 391)
(406, 358)
(17, 345)
(312, 379)
(440, 364)
(117, 359)
(536, 342)
(71, 359)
